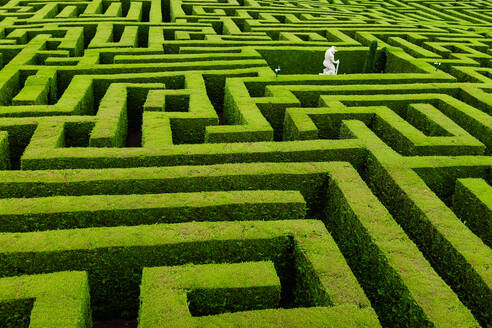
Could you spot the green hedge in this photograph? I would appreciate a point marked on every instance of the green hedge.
(4, 151)
(308, 178)
(326, 317)
(403, 128)
(16, 313)
(472, 202)
(34, 214)
(169, 294)
(112, 125)
(441, 176)
(313, 150)
(172, 296)
(455, 253)
(18, 138)
(59, 299)
(401, 284)
(293, 60)
(114, 257)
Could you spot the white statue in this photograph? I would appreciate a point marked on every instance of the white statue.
(330, 62)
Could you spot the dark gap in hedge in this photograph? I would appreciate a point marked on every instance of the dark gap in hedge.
(278, 134)
(165, 12)
(105, 6)
(274, 35)
(168, 34)
(253, 14)
(77, 133)
(215, 91)
(143, 30)
(303, 37)
(218, 28)
(442, 180)
(100, 88)
(381, 63)
(145, 12)
(197, 36)
(16, 313)
(117, 32)
(23, 75)
(50, 45)
(135, 100)
(53, 94)
(239, 22)
(198, 305)
(472, 212)
(125, 6)
(8, 54)
(281, 19)
(255, 89)
(287, 275)
(63, 79)
(187, 8)
(89, 33)
(177, 103)
(19, 137)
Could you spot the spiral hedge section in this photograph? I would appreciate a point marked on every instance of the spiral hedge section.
(155, 167)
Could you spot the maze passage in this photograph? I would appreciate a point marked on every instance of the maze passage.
(187, 163)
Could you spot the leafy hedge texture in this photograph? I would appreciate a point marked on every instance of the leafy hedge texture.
(184, 164)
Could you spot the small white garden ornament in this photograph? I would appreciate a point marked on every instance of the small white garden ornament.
(277, 70)
(329, 62)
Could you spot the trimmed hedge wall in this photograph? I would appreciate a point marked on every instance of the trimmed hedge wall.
(59, 299)
(231, 287)
(172, 296)
(165, 115)
(472, 202)
(327, 317)
(308, 178)
(400, 283)
(438, 235)
(34, 214)
(114, 257)
(4, 151)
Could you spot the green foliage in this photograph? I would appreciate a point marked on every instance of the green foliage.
(300, 61)
(152, 147)
(472, 202)
(370, 63)
(470, 282)
(16, 313)
(115, 210)
(59, 299)
(114, 257)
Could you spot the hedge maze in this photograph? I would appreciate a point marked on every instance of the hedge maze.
(153, 167)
